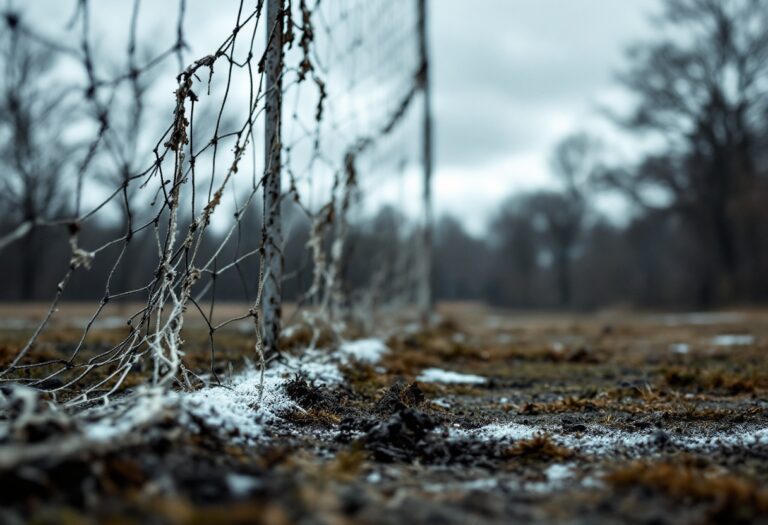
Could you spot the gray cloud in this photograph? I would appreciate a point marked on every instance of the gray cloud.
(502, 68)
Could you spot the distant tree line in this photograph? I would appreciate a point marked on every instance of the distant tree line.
(696, 235)
(698, 231)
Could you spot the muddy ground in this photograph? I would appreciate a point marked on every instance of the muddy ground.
(633, 418)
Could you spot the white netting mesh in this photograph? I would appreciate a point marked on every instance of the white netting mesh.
(175, 227)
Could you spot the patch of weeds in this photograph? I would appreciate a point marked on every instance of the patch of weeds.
(346, 465)
(398, 397)
(717, 379)
(364, 381)
(401, 437)
(313, 417)
(301, 336)
(318, 406)
(730, 498)
(540, 448)
(430, 347)
(307, 395)
(566, 404)
(409, 362)
(447, 389)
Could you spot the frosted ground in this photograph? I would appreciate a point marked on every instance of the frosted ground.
(494, 419)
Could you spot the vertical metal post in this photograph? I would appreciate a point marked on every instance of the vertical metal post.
(426, 299)
(273, 237)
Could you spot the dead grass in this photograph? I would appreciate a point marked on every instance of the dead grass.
(313, 416)
(729, 496)
(566, 404)
(749, 380)
(538, 449)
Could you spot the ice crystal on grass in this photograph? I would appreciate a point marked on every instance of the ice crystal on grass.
(363, 350)
(679, 348)
(599, 440)
(733, 340)
(438, 375)
(242, 408)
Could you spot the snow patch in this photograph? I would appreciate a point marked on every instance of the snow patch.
(442, 402)
(480, 484)
(499, 431)
(240, 484)
(702, 318)
(438, 375)
(317, 366)
(459, 338)
(107, 422)
(363, 350)
(601, 440)
(557, 474)
(733, 340)
(242, 408)
(679, 348)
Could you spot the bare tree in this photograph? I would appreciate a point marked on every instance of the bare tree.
(703, 88)
(516, 245)
(33, 153)
(562, 214)
(560, 218)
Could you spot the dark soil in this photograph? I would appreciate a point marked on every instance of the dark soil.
(383, 447)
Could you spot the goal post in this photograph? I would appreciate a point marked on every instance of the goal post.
(272, 227)
(426, 298)
(166, 245)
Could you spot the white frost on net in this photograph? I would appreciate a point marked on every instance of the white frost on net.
(438, 375)
(135, 413)
(241, 411)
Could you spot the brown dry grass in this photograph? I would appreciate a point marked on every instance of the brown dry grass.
(729, 496)
(539, 448)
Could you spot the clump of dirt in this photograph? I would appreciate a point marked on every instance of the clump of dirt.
(398, 397)
(402, 437)
(317, 404)
(30, 419)
(306, 394)
(381, 448)
(413, 431)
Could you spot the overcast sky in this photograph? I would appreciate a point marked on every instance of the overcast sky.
(513, 76)
(510, 78)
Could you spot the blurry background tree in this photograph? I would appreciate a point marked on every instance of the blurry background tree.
(34, 152)
(563, 213)
(703, 90)
(695, 234)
